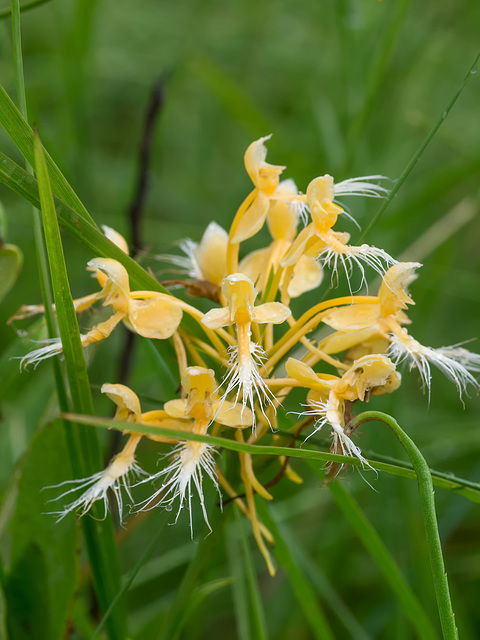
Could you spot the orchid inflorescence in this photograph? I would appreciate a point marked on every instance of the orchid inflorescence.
(236, 368)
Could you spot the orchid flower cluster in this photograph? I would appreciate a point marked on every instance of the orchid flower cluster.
(248, 352)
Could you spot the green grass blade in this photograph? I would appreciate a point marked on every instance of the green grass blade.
(205, 550)
(22, 136)
(88, 234)
(86, 459)
(419, 152)
(466, 488)
(387, 565)
(258, 618)
(302, 588)
(427, 498)
(128, 582)
(324, 588)
(239, 585)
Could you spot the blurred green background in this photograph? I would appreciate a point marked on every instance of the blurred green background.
(348, 88)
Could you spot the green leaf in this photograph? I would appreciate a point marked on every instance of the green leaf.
(17, 179)
(43, 562)
(11, 260)
(21, 134)
(84, 450)
(301, 587)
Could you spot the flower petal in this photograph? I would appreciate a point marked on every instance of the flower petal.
(216, 318)
(274, 312)
(154, 318)
(353, 318)
(253, 218)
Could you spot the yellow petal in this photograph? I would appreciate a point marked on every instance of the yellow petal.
(307, 275)
(353, 318)
(274, 312)
(154, 318)
(304, 374)
(116, 288)
(253, 218)
(216, 318)
(341, 341)
(365, 373)
(282, 217)
(126, 400)
(262, 174)
(116, 238)
(234, 415)
(211, 254)
(255, 264)
(176, 408)
(160, 418)
(393, 292)
(298, 247)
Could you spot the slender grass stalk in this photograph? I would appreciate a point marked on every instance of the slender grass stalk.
(469, 489)
(205, 550)
(301, 586)
(146, 555)
(374, 544)
(259, 620)
(419, 152)
(86, 453)
(427, 497)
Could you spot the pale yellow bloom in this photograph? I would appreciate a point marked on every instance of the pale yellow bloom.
(243, 375)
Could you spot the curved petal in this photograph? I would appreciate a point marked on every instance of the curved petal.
(298, 247)
(116, 238)
(234, 415)
(274, 312)
(126, 400)
(353, 318)
(253, 218)
(342, 341)
(154, 318)
(176, 408)
(254, 265)
(307, 275)
(216, 318)
(304, 374)
(211, 254)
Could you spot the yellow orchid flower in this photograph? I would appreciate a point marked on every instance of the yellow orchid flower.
(243, 375)
(332, 247)
(282, 221)
(157, 316)
(385, 319)
(191, 458)
(372, 374)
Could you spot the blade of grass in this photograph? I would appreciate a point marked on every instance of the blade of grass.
(86, 458)
(468, 489)
(419, 152)
(88, 234)
(131, 577)
(205, 550)
(301, 587)
(427, 498)
(324, 588)
(26, 6)
(387, 565)
(22, 136)
(239, 584)
(258, 618)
